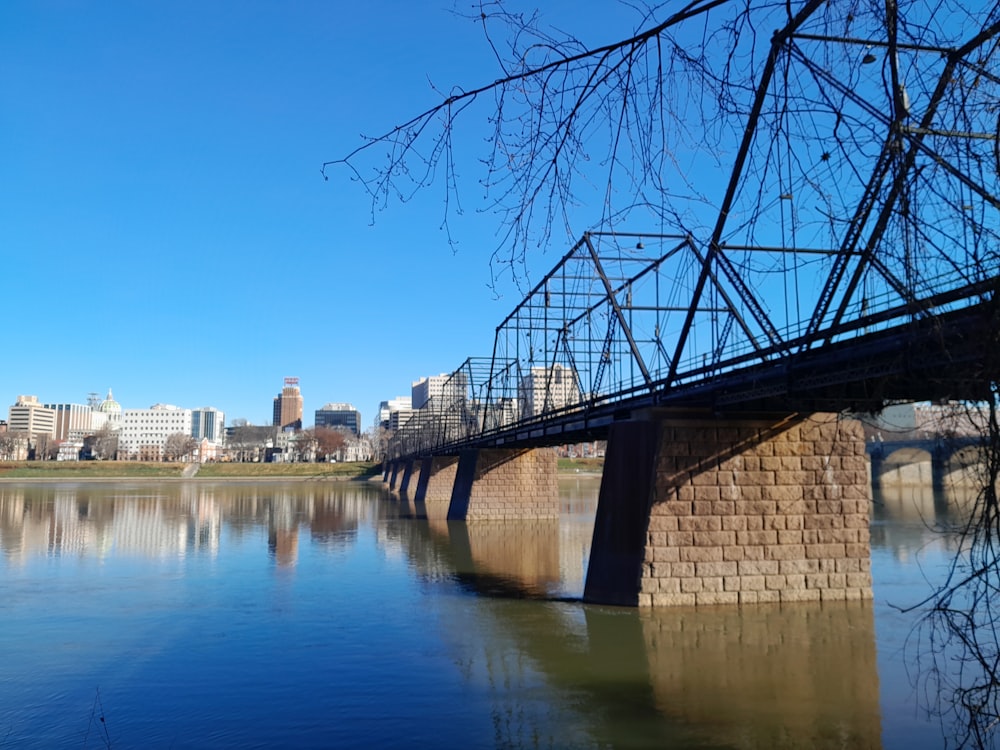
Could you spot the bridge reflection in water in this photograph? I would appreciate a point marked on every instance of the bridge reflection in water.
(800, 675)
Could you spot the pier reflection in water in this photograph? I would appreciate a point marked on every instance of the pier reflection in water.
(318, 615)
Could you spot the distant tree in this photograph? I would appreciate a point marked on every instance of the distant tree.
(178, 446)
(11, 444)
(105, 444)
(328, 441)
(248, 441)
(378, 438)
(306, 444)
(46, 447)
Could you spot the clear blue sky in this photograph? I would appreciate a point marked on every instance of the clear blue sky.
(164, 228)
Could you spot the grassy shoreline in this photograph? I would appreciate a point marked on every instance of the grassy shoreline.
(98, 471)
(74, 471)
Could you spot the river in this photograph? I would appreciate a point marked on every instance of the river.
(330, 615)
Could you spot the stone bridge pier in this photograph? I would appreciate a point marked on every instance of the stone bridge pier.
(735, 511)
(436, 479)
(505, 484)
(489, 484)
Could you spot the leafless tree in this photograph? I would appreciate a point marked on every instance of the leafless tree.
(956, 644)
(318, 443)
(45, 447)
(329, 441)
(104, 444)
(179, 445)
(306, 444)
(378, 438)
(250, 441)
(705, 120)
(12, 445)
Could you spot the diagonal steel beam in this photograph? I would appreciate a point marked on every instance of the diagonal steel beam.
(898, 182)
(617, 310)
(714, 246)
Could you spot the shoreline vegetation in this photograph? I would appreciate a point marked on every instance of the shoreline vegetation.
(75, 471)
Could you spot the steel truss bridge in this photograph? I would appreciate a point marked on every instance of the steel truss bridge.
(851, 258)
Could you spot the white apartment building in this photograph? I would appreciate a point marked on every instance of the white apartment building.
(144, 432)
(395, 412)
(27, 416)
(502, 412)
(547, 389)
(444, 389)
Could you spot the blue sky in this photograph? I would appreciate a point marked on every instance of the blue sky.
(164, 227)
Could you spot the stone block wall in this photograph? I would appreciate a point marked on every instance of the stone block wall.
(411, 477)
(436, 480)
(747, 512)
(505, 484)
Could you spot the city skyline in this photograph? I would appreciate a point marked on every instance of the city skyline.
(94, 400)
(162, 171)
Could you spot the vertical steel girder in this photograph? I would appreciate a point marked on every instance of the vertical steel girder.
(715, 245)
(617, 309)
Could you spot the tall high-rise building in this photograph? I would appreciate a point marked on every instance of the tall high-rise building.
(546, 389)
(339, 416)
(288, 406)
(439, 391)
(208, 423)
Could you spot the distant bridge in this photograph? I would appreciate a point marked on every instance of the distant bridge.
(906, 460)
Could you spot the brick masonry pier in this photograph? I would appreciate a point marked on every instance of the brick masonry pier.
(436, 479)
(505, 484)
(411, 477)
(714, 511)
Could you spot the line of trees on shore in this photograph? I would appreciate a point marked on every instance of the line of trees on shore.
(244, 443)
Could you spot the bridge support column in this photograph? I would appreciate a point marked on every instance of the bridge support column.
(732, 512)
(505, 484)
(436, 480)
(411, 475)
(395, 474)
(386, 470)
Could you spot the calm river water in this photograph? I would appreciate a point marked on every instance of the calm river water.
(329, 615)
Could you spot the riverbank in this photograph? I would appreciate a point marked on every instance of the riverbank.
(84, 471)
(73, 471)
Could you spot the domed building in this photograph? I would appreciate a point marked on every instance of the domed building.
(112, 411)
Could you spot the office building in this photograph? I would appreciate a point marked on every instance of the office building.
(339, 416)
(288, 406)
(394, 412)
(439, 392)
(28, 417)
(144, 432)
(208, 423)
(546, 389)
(73, 421)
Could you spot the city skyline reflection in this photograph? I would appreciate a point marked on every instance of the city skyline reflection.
(97, 520)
